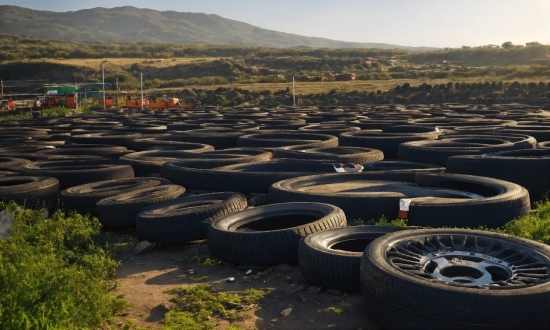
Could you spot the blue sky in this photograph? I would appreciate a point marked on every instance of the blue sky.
(435, 23)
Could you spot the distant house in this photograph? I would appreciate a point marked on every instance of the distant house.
(344, 77)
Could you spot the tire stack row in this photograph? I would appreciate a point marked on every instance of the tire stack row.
(178, 176)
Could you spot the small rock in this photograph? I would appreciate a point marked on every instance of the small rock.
(203, 250)
(232, 305)
(283, 269)
(274, 320)
(331, 326)
(230, 279)
(190, 252)
(144, 246)
(289, 280)
(190, 272)
(298, 289)
(286, 312)
(248, 272)
(315, 289)
(258, 200)
(250, 267)
(302, 298)
(334, 292)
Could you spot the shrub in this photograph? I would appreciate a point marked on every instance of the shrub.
(52, 274)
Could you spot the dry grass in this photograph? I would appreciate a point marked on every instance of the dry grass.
(303, 88)
(123, 63)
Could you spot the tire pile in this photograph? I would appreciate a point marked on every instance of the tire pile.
(261, 187)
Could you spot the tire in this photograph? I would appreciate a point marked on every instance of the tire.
(270, 234)
(76, 173)
(328, 129)
(12, 164)
(121, 210)
(150, 162)
(145, 144)
(217, 138)
(388, 143)
(250, 177)
(500, 203)
(270, 141)
(100, 150)
(408, 292)
(186, 219)
(366, 196)
(84, 198)
(437, 152)
(331, 258)
(529, 168)
(124, 139)
(28, 190)
(337, 154)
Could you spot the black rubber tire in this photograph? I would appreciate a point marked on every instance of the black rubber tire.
(275, 233)
(331, 258)
(186, 219)
(270, 141)
(437, 152)
(12, 164)
(503, 202)
(329, 129)
(398, 300)
(76, 173)
(249, 177)
(366, 205)
(150, 162)
(84, 198)
(336, 154)
(214, 137)
(388, 143)
(28, 190)
(106, 151)
(529, 168)
(121, 210)
(124, 139)
(149, 143)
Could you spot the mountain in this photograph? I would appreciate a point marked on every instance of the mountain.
(146, 25)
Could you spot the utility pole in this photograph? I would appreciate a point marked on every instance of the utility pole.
(103, 71)
(293, 93)
(2, 83)
(116, 80)
(141, 86)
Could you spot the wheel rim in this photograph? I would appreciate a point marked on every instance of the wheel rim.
(471, 261)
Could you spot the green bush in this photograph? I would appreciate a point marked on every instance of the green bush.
(56, 112)
(52, 274)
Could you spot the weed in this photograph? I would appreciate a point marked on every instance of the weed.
(210, 262)
(356, 222)
(383, 221)
(335, 310)
(56, 112)
(194, 306)
(53, 275)
(267, 271)
(21, 116)
(200, 279)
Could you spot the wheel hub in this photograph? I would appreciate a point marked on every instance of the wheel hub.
(466, 268)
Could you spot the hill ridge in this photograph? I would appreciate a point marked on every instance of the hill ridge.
(133, 24)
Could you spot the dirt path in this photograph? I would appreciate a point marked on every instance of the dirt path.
(144, 279)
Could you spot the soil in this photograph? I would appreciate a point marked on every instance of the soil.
(145, 277)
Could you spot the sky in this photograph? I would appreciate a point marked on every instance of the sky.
(432, 23)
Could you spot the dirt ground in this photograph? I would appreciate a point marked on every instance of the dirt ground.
(144, 278)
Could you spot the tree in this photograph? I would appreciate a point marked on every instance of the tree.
(533, 43)
(507, 44)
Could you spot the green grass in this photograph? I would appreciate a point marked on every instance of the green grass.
(21, 116)
(534, 226)
(335, 310)
(52, 273)
(56, 112)
(382, 221)
(193, 307)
